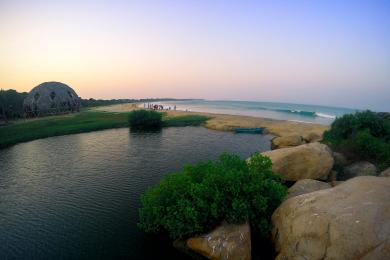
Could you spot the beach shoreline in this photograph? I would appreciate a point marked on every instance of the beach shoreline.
(226, 122)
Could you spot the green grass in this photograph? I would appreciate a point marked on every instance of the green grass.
(186, 120)
(85, 121)
(23, 131)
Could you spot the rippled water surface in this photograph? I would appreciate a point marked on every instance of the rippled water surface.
(77, 196)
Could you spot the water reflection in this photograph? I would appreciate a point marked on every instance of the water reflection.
(77, 196)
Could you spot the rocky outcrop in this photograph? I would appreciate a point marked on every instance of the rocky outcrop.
(306, 186)
(335, 183)
(286, 141)
(51, 98)
(227, 241)
(332, 176)
(350, 221)
(340, 159)
(312, 137)
(307, 161)
(385, 173)
(361, 168)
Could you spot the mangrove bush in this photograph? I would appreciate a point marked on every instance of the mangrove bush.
(201, 196)
(145, 119)
(365, 134)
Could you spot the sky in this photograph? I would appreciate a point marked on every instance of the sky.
(326, 52)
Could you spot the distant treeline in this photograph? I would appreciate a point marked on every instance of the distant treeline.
(103, 102)
(11, 103)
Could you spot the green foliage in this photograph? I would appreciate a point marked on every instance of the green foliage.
(365, 134)
(185, 120)
(85, 121)
(202, 195)
(11, 104)
(145, 119)
(27, 130)
(103, 102)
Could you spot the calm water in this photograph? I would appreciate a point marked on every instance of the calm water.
(284, 111)
(77, 196)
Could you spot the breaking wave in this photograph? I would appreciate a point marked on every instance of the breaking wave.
(306, 113)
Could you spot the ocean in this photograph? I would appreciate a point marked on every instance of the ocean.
(284, 111)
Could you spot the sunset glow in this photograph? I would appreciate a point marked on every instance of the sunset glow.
(299, 51)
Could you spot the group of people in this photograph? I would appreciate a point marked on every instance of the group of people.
(158, 107)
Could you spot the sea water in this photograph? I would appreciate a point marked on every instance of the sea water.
(283, 111)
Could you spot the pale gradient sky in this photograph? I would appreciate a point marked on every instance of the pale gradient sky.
(314, 52)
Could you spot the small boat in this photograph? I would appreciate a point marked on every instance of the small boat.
(249, 130)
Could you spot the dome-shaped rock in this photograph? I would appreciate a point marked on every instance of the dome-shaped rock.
(51, 98)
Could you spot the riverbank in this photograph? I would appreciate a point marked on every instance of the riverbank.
(86, 121)
(116, 116)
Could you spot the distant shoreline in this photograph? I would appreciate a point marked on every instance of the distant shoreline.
(227, 122)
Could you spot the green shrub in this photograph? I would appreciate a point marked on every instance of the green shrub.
(203, 195)
(365, 134)
(145, 119)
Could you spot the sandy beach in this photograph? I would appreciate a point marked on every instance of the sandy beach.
(226, 122)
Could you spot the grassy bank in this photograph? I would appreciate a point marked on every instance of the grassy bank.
(86, 121)
(184, 120)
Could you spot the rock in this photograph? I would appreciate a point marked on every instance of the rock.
(332, 176)
(227, 241)
(306, 186)
(286, 141)
(361, 168)
(51, 98)
(312, 137)
(350, 221)
(335, 183)
(181, 245)
(340, 159)
(307, 161)
(385, 173)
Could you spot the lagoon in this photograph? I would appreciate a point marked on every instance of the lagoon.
(77, 196)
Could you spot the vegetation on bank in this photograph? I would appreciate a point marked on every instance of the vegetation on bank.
(364, 134)
(151, 119)
(31, 129)
(104, 102)
(85, 121)
(145, 119)
(185, 120)
(201, 196)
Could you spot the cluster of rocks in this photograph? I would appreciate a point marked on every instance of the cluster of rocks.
(294, 140)
(326, 215)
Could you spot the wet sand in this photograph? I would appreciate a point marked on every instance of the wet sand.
(226, 122)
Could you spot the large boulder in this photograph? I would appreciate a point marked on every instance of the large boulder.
(312, 137)
(361, 168)
(340, 159)
(227, 241)
(286, 141)
(51, 98)
(307, 161)
(306, 186)
(350, 221)
(385, 173)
